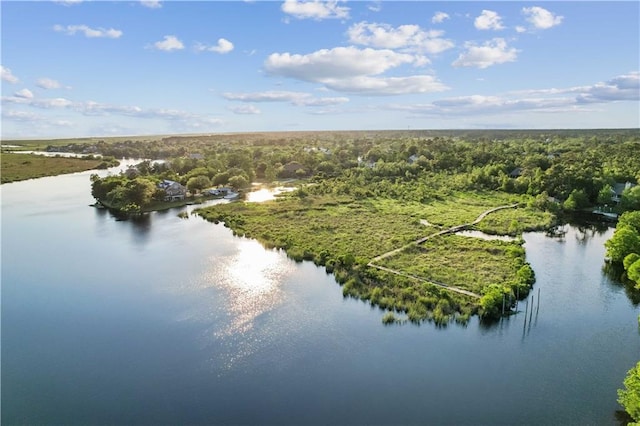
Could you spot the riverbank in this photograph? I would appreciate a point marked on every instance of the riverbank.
(18, 167)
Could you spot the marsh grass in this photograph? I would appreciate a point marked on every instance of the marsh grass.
(17, 167)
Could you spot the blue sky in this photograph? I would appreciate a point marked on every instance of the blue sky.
(88, 68)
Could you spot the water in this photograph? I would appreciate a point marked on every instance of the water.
(172, 321)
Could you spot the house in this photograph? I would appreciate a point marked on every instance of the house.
(219, 191)
(517, 172)
(173, 190)
(412, 159)
(618, 189)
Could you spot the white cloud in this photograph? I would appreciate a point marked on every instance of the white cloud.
(339, 62)
(488, 20)
(68, 2)
(294, 98)
(352, 70)
(168, 44)
(21, 116)
(48, 83)
(151, 4)
(405, 36)
(541, 18)
(381, 86)
(315, 9)
(24, 93)
(245, 109)
(575, 99)
(88, 31)
(223, 46)
(375, 6)
(520, 29)
(621, 88)
(7, 75)
(179, 120)
(490, 53)
(439, 17)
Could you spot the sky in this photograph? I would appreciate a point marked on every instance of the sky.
(74, 68)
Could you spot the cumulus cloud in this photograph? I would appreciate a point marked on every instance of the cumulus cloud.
(490, 53)
(48, 83)
(88, 31)
(410, 37)
(24, 93)
(540, 18)
(315, 9)
(168, 44)
(439, 17)
(489, 20)
(245, 109)
(151, 4)
(223, 46)
(7, 75)
(621, 88)
(354, 70)
(294, 98)
(339, 62)
(520, 29)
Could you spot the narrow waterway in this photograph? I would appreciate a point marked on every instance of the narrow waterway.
(166, 320)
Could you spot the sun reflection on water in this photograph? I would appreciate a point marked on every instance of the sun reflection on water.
(266, 194)
(251, 278)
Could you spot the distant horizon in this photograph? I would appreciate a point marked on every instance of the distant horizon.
(204, 134)
(72, 68)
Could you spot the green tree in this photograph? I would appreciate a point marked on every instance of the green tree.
(140, 191)
(631, 219)
(629, 397)
(577, 200)
(633, 273)
(198, 183)
(238, 182)
(631, 198)
(604, 195)
(630, 259)
(625, 240)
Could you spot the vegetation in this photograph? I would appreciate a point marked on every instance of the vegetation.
(629, 397)
(17, 167)
(624, 246)
(362, 194)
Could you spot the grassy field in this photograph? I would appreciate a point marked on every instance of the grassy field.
(465, 262)
(344, 234)
(16, 167)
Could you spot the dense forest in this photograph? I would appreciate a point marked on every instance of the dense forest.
(579, 169)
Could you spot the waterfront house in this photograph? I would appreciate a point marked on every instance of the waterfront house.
(174, 191)
(618, 189)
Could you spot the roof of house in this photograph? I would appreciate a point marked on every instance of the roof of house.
(619, 188)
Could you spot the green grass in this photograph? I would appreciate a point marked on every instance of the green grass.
(468, 263)
(515, 221)
(17, 167)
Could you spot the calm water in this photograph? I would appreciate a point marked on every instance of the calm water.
(175, 321)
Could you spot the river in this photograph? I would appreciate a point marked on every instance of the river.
(175, 321)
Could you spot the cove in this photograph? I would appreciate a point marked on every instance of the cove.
(164, 320)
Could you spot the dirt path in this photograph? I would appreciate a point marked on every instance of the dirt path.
(451, 230)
